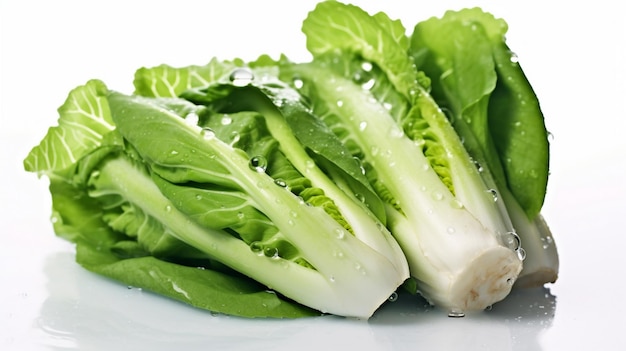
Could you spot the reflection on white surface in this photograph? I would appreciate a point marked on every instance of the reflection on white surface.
(83, 311)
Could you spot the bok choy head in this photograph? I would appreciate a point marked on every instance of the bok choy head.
(363, 82)
(181, 183)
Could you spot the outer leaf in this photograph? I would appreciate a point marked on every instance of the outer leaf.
(84, 122)
(485, 87)
(168, 81)
(519, 132)
(333, 25)
(207, 289)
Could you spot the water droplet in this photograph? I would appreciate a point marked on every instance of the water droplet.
(173, 152)
(168, 208)
(207, 133)
(226, 120)
(479, 167)
(339, 103)
(271, 252)
(451, 230)
(362, 126)
(360, 197)
(374, 150)
(234, 138)
(521, 253)
(281, 183)
(340, 233)
(456, 313)
(256, 247)
(455, 203)
(241, 77)
(511, 240)
(198, 197)
(291, 222)
(366, 66)
(514, 58)
(437, 195)
(396, 132)
(494, 194)
(293, 214)
(258, 164)
(192, 119)
(240, 215)
(331, 278)
(368, 85)
(298, 83)
(393, 297)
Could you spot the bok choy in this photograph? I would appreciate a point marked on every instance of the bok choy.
(274, 188)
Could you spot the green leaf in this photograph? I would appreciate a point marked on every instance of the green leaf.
(197, 286)
(168, 81)
(333, 25)
(519, 133)
(83, 124)
(284, 108)
(477, 77)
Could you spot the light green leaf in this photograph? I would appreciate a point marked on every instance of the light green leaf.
(479, 79)
(335, 26)
(84, 122)
(168, 81)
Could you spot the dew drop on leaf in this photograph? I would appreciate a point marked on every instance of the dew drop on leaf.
(226, 120)
(494, 194)
(258, 164)
(368, 85)
(298, 83)
(511, 240)
(271, 252)
(207, 133)
(281, 183)
(234, 138)
(241, 77)
(192, 119)
(256, 247)
(521, 253)
(340, 233)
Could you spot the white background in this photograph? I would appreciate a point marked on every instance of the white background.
(572, 52)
